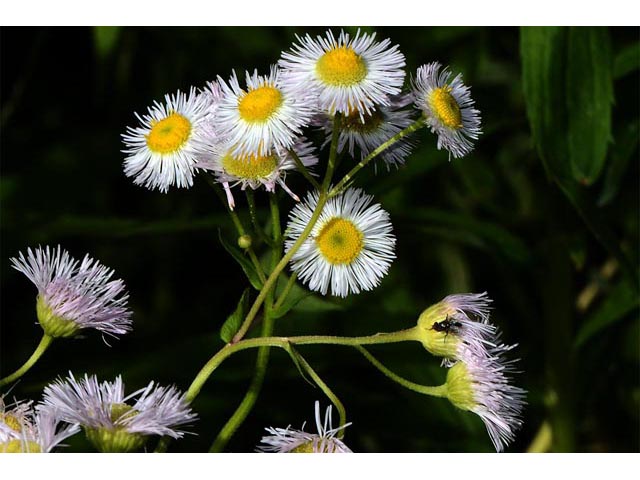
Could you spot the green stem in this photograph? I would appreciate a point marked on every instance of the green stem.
(287, 289)
(439, 391)
(40, 349)
(322, 200)
(411, 334)
(398, 136)
(254, 218)
(303, 170)
(323, 386)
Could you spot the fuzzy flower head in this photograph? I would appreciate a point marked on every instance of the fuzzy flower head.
(367, 132)
(25, 430)
(448, 108)
(254, 171)
(288, 440)
(483, 386)
(348, 74)
(112, 421)
(74, 295)
(350, 247)
(162, 151)
(458, 326)
(266, 116)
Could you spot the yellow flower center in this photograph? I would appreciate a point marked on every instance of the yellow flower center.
(354, 123)
(249, 167)
(169, 134)
(258, 105)
(122, 411)
(445, 107)
(17, 446)
(11, 421)
(341, 66)
(340, 241)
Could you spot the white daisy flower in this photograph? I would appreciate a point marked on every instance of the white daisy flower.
(162, 151)
(254, 171)
(265, 117)
(482, 384)
(112, 421)
(74, 295)
(369, 131)
(350, 247)
(348, 73)
(448, 108)
(23, 430)
(288, 440)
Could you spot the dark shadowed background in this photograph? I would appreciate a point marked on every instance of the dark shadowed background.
(555, 246)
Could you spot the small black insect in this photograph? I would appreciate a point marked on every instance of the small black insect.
(446, 326)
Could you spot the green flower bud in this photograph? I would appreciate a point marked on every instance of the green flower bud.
(244, 241)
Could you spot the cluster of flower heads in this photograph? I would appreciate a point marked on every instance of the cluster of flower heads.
(479, 378)
(246, 132)
(111, 421)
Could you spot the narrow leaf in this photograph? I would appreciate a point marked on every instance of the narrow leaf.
(232, 323)
(105, 39)
(589, 95)
(625, 143)
(627, 60)
(616, 306)
(244, 262)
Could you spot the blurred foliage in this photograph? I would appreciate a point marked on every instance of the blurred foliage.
(543, 215)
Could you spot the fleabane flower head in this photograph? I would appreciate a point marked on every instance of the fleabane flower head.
(74, 295)
(254, 171)
(367, 132)
(458, 326)
(266, 116)
(348, 74)
(447, 107)
(25, 430)
(288, 440)
(350, 247)
(482, 385)
(163, 150)
(112, 421)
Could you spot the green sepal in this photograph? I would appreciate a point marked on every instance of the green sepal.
(232, 323)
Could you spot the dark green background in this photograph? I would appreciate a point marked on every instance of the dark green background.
(494, 221)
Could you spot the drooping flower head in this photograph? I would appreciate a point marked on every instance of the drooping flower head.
(253, 171)
(448, 108)
(163, 150)
(348, 74)
(25, 430)
(266, 116)
(289, 440)
(73, 295)
(483, 385)
(112, 421)
(367, 132)
(350, 248)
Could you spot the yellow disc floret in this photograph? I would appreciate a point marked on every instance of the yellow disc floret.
(169, 134)
(249, 167)
(11, 421)
(353, 122)
(445, 107)
(341, 66)
(20, 446)
(340, 241)
(258, 105)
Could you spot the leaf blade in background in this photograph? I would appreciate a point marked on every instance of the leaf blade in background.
(105, 39)
(247, 266)
(627, 60)
(625, 143)
(620, 301)
(232, 323)
(589, 97)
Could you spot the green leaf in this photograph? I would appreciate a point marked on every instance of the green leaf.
(244, 262)
(616, 306)
(543, 79)
(232, 324)
(105, 39)
(625, 144)
(589, 95)
(627, 60)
